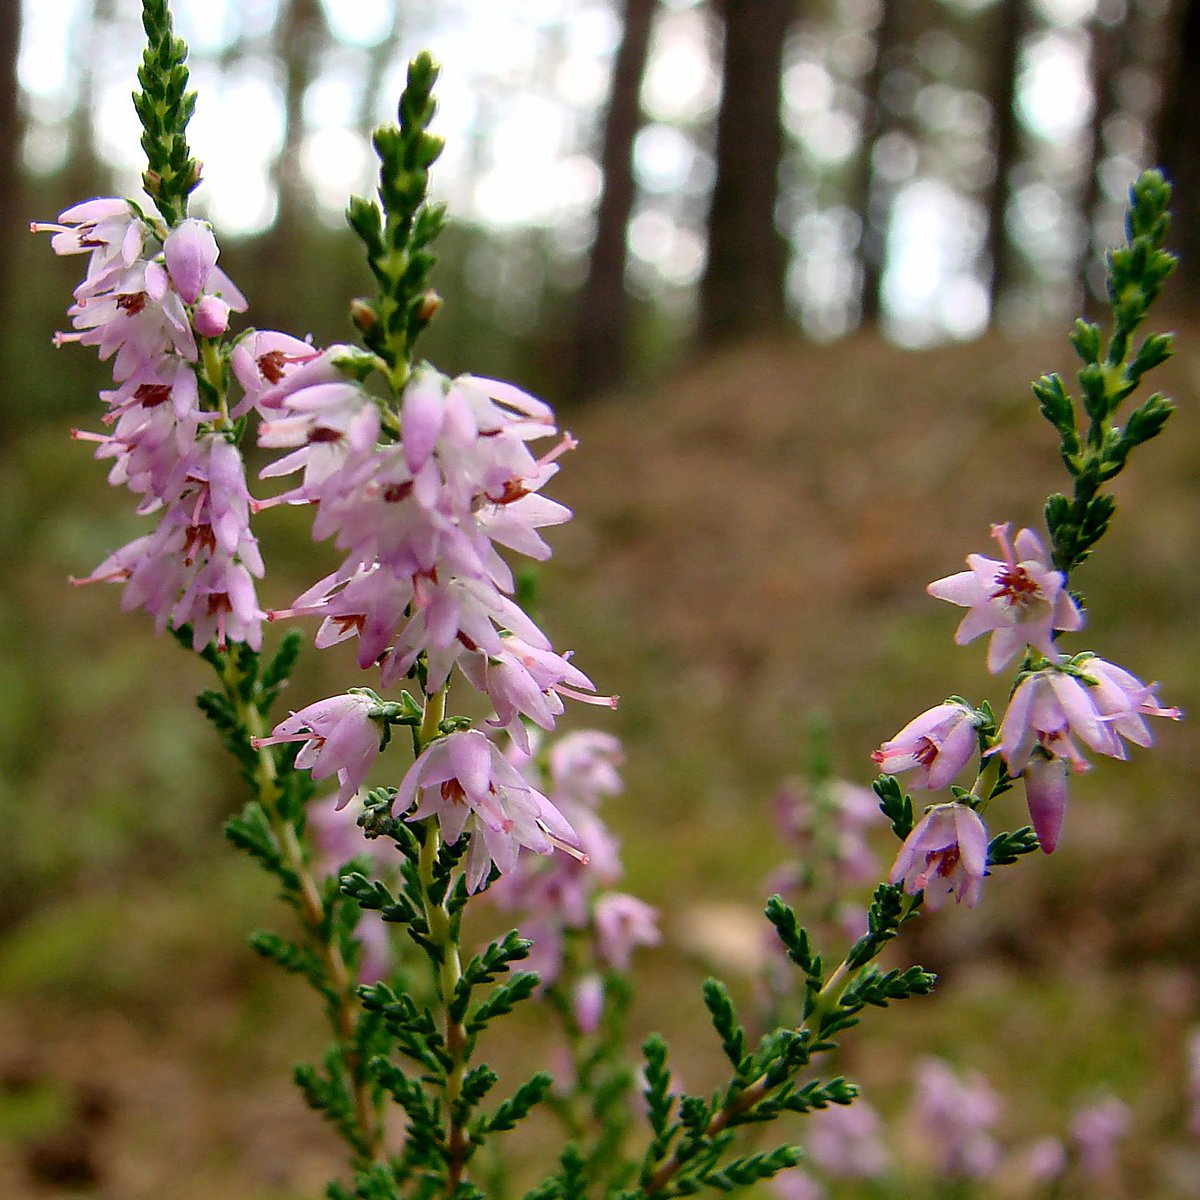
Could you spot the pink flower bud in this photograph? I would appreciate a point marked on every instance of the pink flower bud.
(211, 317)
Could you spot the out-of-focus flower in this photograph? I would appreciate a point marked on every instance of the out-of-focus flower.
(957, 1113)
(1020, 599)
(797, 1184)
(587, 1003)
(1095, 1131)
(1193, 1081)
(1044, 1161)
(846, 1140)
(935, 746)
(622, 923)
(945, 853)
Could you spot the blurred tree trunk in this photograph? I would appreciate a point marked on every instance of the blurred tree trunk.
(1111, 50)
(872, 198)
(742, 289)
(1178, 123)
(300, 32)
(598, 358)
(10, 120)
(1002, 94)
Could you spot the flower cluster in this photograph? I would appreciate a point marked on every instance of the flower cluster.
(570, 897)
(149, 299)
(419, 519)
(418, 499)
(1058, 701)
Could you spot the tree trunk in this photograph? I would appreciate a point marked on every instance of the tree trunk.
(301, 33)
(872, 197)
(1010, 16)
(742, 289)
(1176, 139)
(10, 127)
(598, 360)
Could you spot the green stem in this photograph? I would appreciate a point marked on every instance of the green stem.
(441, 934)
(344, 1004)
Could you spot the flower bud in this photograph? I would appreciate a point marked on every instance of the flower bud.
(211, 317)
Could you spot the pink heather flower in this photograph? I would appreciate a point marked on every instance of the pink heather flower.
(587, 1003)
(341, 738)
(958, 1114)
(846, 1140)
(622, 923)
(109, 229)
(1021, 600)
(797, 1184)
(585, 767)
(945, 853)
(937, 745)
(1084, 697)
(191, 253)
(1122, 700)
(1095, 1131)
(375, 955)
(262, 359)
(1050, 708)
(466, 782)
(523, 681)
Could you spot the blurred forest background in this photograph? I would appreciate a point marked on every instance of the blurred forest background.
(787, 267)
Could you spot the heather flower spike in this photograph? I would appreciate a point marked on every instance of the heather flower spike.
(1020, 599)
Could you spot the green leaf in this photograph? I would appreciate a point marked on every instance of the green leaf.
(1006, 848)
(724, 1018)
(895, 804)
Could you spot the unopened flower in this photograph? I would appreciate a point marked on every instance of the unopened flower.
(341, 738)
(211, 317)
(945, 853)
(191, 253)
(936, 746)
(1046, 794)
(1020, 599)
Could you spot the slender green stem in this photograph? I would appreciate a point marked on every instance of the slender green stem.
(826, 1000)
(344, 1004)
(441, 933)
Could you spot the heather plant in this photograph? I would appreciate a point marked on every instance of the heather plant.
(427, 487)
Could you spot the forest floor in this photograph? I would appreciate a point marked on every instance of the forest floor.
(749, 556)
